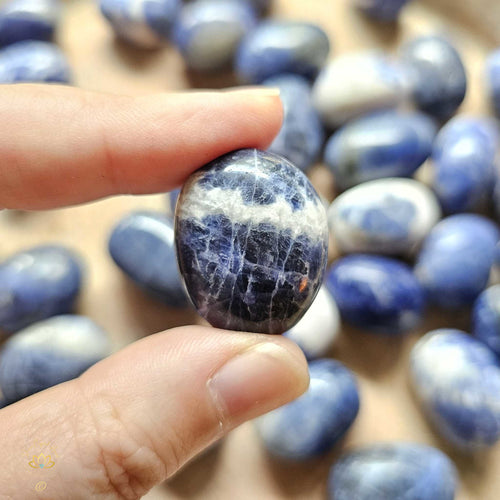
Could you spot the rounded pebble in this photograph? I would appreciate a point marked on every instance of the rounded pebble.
(492, 78)
(486, 318)
(381, 10)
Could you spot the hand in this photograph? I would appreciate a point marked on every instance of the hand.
(133, 419)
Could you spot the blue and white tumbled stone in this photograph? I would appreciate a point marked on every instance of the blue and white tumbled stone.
(457, 380)
(252, 239)
(301, 136)
(143, 23)
(35, 62)
(37, 283)
(313, 423)
(143, 247)
(493, 79)
(385, 216)
(316, 332)
(376, 293)
(354, 84)
(393, 471)
(486, 318)
(277, 47)
(456, 258)
(48, 353)
(436, 75)
(381, 10)
(387, 144)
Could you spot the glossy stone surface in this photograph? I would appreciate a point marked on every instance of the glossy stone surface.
(316, 332)
(143, 23)
(389, 144)
(33, 61)
(313, 423)
(381, 10)
(48, 353)
(455, 261)
(492, 77)
(376, 293)
(301, 137)
(355, 84)
(486, 318)
(386, 216)
(436, 74)
(37, 283)
(393, 471)
(142, 246)
(276, 47)
(252, 238)
(457, 380)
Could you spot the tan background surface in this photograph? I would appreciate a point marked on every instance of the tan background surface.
(239, 468)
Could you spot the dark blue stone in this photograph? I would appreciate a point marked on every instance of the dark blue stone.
(142, 246)
(38, 283)
(486, 318)
(381, 10)
(493, 79)
(393, 471)
(313, 423)
(376, 293)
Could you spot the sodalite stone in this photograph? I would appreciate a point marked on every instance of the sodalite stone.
(393, 471)
(493, 79)
(33, 61)
(252, 241)
(436, 74)
(316, 332)
(376, 293)
(48, 353)
(457, 380)
(142, 246)
(389, 144)
(301, 136)
(455, 261)
(208, 32)
(381, 10)
(143, 23)
(486, 318)
(313, 423)
(38, 283)
(277, 47)
(386, 216)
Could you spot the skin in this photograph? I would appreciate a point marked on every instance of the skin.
(132, 420)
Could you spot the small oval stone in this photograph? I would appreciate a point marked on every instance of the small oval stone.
(252, 241)
(455, 261)
(48, 353)
(492, 78)
(143, 247)
(486, 318)
(376, 293)
(393, 471)
(313, 423)
(277, 47)
(386, 216)
(381, 10)
(457, 380)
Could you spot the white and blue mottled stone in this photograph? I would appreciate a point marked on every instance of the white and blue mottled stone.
(35, 62)
(486, 318)
(143, 247)
(50, 352)
(376, 293)
(301, 136)
(37, 283)
(436, 74)
(208, 32)
(312, 424)
(386, 144)
(252, 241)
(456, 258)
(144, 23)
(277, 47)
(457, 380)
(386, 216)
(316, 332)
(492, 78)
(393, 471)
(381, 10)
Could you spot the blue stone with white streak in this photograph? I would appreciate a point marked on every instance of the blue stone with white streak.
(456, 378)
(50, 352)
(393, 471)
(381, 10)
(456, 258)
(252, 241)
(142, 246)
(493, 79)
(312, 424)
(376, 293)
(486, 318)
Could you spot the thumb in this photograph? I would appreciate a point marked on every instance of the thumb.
(133, 419)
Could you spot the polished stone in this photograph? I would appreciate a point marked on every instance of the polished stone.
(492, 77)
(381, 10)
(252, 240)
(486, 318)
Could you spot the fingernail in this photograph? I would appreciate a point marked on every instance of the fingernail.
(256, 91)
